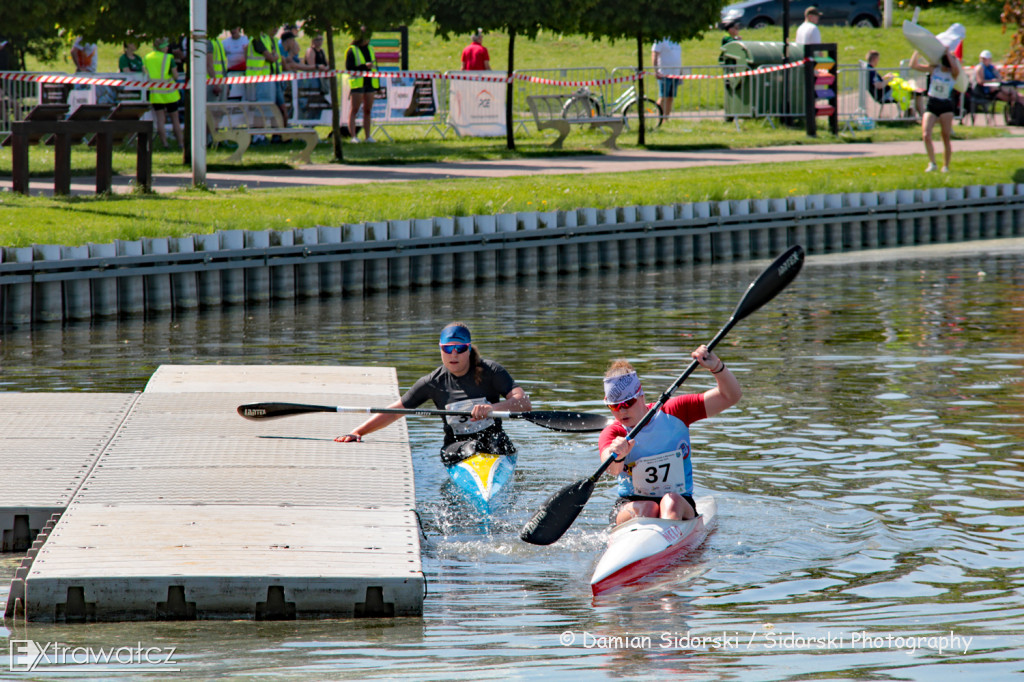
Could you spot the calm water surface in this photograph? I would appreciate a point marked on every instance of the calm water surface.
(869, 484)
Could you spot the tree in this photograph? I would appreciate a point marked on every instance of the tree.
(515, 17)
(29, 26)
(1013, 16)
(647, 20)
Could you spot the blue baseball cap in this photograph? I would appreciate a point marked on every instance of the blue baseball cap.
(455, 333)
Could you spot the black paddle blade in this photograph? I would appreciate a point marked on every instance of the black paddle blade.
(578, 422)
(774, 279)
(258, 411)
(557, 514)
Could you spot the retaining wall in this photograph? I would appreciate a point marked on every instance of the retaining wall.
(50, 283)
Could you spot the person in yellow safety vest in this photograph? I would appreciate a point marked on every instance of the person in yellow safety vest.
(362, 91)
(262, 59)
(160, 67)
(216, 67)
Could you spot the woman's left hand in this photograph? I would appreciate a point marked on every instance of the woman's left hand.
(482, 412)
(706, 358)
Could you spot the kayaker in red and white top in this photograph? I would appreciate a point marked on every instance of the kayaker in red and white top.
(654, 471)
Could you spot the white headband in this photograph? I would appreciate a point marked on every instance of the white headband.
(620, 388)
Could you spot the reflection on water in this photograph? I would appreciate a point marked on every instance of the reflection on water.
(869, 483)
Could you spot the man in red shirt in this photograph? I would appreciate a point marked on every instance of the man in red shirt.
(475, 57)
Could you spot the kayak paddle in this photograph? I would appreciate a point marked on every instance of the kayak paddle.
(557, 421)
(561, 509)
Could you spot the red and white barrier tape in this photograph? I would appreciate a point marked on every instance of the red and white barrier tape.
(739, 74)
(241, 80)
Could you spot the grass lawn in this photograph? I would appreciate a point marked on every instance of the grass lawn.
(38, 220)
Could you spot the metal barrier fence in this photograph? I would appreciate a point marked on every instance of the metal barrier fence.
(763, 96)
(50, 283)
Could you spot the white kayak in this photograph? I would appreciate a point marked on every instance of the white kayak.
(643, 545)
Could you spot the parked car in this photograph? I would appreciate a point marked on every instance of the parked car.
(761, 13)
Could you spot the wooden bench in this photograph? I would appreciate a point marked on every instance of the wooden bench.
(548, 114)
(240, 122)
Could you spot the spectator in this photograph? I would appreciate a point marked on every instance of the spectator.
(360, 57)
(315, 57)
(475, 56)
(287, 28)
(667, 59)
(129, 61)
(84, 56)
(160, 66)
(179, 50)
(940, 105)
(878, 86)
(262, 59)
(216, 67)
(293, 62)
(808, 33)
(235, 46)
(8, 60)
(732, 30)
(988, 82)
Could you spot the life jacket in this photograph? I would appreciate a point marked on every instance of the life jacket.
(357, 82)
(220, 58)
(255, 63)
(158, 68)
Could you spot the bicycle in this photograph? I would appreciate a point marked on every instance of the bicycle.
(585, 104)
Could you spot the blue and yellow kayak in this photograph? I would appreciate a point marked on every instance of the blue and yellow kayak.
(482, 477)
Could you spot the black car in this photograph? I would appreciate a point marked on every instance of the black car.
(761, 13)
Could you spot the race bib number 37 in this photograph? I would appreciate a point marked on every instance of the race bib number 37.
(660, 474)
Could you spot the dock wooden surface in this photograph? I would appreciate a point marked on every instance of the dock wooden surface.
(190, 511)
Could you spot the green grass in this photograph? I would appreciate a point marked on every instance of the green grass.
(39, 220)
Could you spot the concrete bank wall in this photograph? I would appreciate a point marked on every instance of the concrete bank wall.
(51, 283)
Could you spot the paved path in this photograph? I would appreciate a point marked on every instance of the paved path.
(618, 162)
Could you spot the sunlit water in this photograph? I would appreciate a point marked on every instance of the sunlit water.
(869, 484)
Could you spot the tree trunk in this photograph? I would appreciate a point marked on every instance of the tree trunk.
(641, 139)
(335, 103)
(510, 138)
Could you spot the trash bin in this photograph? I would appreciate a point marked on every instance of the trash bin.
(765, 94)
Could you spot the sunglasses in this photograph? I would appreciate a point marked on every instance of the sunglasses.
(624, 405)
(454, 348)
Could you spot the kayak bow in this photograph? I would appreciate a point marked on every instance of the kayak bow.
(482, 477)
(642, 546)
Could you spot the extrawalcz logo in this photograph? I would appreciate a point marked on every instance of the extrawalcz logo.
(26, 656)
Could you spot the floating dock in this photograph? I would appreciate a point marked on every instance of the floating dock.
(187, 511)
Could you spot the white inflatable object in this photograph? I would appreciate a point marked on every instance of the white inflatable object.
(932, 48)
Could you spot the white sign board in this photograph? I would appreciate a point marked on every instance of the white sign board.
(476, 108)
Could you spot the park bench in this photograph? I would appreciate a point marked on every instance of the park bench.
(240, 122)
(549, 114)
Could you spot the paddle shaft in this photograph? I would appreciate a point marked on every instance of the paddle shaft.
(558, 421)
